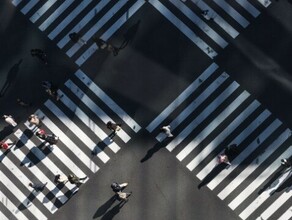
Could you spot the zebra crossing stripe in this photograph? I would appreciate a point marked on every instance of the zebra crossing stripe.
(21, 197)
(245, 133)
(194, 104)
(106, 35)
(286, 215)
(212, 126)
(83, 22)
(254, 165)
(248, 7)
(25, 181)
(267, 193)
(217, 141)
(42, 10)
(265, 3)
(68, 19)
(98, 112)
(39, 174)
(89, 123)
(183, 28)
(39, 155)
(202, 116)
(97, 26)
(107, 100)
(2, 216)
(16, 2)
(232, 12)
(29, 6)
(200, 23)
(10, 206)
(69, 144)
(76, 130)
(55, 15)
(217, 19)
(182, 97)
(248, 150)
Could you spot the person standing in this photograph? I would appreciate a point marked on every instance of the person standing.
(10, 120)
(166, 130)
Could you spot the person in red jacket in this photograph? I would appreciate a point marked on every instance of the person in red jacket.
(5, 145)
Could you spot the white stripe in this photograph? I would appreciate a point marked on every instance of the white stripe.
(89, 123)
(42, 10)
(3, 217)
(29, 6)
(217, 141)
(194, 104)
(213, 125)
(183, 28)
(182, 97)
(267, 193)
(249, 7)
(200, 23)
(39, 174)
(68, 19)
(55, 15)
(286, 215)
(265, 3)
(245, 133)
(97, 26)
(106, 35)
(70, 145)
(254, 165)
(97, 111)
(21, 197)
(247, 151)
(217, 19)
(16, 2)
(25, 181)
(10, 206)
(202, 116)
(76, 130)
(84, 21)
(232, 12)
(40, 155)
(107, 100)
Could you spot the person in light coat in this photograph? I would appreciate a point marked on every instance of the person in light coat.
(9, 119)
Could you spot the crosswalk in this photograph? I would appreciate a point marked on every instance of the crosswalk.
(210, 31)
(214, 112)
(79, 120)
(89, 18)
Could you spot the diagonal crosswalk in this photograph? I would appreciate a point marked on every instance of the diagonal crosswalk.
(83, 148)
(217, 112)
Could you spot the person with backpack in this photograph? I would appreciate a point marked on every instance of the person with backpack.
(73, 179)
(118, 190)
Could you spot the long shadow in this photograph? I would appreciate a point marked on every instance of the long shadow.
(216, 170)
(6, 131)
(114, 211)
(10, 77)
(103, 208)
(27, 202)
(152, 151)
(286, 185)
(130, 34)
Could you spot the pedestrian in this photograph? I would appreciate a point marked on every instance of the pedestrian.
(10, 120)
(76, 38)
(61, 179)
(73, 179)
(50, 138)
(104, 45)
(113, 127)
(205, 12)
(38, 186)
(166, 130)
(123, 196)
(35, 120)
(116, 187)
(5, 145)
(287, 162)
(223, 158)
(39, 54)
(51, 89)
(22, 103)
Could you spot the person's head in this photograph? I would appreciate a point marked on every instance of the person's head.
(30, 184)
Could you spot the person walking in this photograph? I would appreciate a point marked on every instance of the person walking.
(10, 120)
(76, 38)
(39, 54)
(4, 145)
(61, 179)
(104, 45)
(51, 89)
(223, 158)
(166, 130)
(35, 120)
(113, 127)
(286, 162)
(38, 186)
(116, 187)
(73, 179)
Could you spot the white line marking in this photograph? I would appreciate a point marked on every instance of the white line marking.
(29, 6)
(42, 10)
(286, 215)
(249, 7)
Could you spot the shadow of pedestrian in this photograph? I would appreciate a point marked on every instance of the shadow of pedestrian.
(27, 202)
(286, 185)
(6, 131)
(10, 77)
(152, 151)
(103, 208)
(217, 169)
(114, 211)
(277, 175)
(130, 34)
